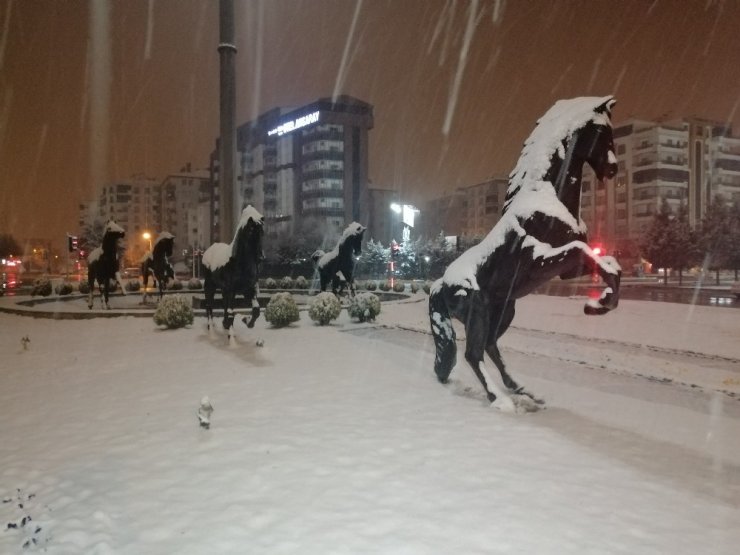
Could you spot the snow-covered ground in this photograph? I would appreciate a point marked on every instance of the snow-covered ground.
(338, 439)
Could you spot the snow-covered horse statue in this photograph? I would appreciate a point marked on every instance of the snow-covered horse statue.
(234, 269)
(340, 260)
(540, 236)
(156, 263)
(102, 264)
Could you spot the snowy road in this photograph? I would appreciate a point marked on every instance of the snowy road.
(339, 440)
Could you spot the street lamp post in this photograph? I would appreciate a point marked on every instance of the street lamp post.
(147, 237)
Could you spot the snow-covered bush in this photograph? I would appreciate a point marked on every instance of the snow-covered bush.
(281, 310)
(64, 288)
(194, 284)
(364, 306)
(384, 286)
(133, 285)
(175, 285)
(41, 286)
(324, 308)
(286, 283)
(83, 287)
(399, 287)
(301, 283)
(371, 285)
(174, 311)
(270, 283)
(414, 287)
(427, 287)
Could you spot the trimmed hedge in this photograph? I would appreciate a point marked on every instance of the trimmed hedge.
(282, 310)
(324, 308)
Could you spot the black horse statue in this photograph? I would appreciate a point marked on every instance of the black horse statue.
(340, 260)
(103, 265)
(234, 269)
(540, 236)
(156, 263)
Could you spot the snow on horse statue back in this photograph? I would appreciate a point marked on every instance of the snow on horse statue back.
(102, 264)
(540, 236)
(340, 260)
(157, 263)
(234, 269)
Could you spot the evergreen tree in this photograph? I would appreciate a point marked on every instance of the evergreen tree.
(686, 250)
(657, 242)
(734, 239)
(716, 236)
(374, 260)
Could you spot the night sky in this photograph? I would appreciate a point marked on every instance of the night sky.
(455, 91)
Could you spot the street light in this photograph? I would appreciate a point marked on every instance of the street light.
(148, 237)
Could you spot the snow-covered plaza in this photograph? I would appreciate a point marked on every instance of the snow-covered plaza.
(340, 440)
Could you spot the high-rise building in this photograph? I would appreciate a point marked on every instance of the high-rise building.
(307, 163)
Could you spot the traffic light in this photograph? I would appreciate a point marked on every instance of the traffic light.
(72, 243)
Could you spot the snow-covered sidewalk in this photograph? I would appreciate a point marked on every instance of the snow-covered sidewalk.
(340, 440)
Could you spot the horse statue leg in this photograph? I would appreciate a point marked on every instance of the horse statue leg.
(501, 317)
(228, 295)
(251, 297)
(209, 290)
(145, 277)
(91, 286)
(583, 261)
(443, 333)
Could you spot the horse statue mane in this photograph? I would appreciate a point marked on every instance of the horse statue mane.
(540, 236)
(103, 265)
(340, 259)
(234, 268)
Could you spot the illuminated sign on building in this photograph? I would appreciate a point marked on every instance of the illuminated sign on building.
(292, 125)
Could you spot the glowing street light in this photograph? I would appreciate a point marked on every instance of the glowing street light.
(147, 237)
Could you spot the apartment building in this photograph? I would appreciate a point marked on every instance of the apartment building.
(182, 193)
(304, 163)
(686, 161)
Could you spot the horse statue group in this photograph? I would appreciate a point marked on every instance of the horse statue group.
(540, 236)
(103, 264)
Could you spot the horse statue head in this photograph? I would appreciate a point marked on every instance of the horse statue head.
(111, 235)
(164, 244)
(352, 236)
(573, 132)
(248, 237)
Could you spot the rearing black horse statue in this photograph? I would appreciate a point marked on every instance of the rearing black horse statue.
(157, 263)
(340, 260)
(540, 236)
(234, 269)
(102, 264)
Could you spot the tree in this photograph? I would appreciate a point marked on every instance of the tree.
(716, 236)
(669, 241)
(9, 246)
(374, 260)
(734, 239)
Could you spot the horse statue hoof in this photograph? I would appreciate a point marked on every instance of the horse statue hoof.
(594, 309)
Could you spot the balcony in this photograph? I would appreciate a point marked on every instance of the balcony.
(323, 174)
(323, 211)
(325, 135)
(322, 155)
(322, 193)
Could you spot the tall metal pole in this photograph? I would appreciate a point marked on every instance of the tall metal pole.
(227, 143)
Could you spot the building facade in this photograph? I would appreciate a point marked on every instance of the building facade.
(181, 195)
(308, 163)
(687, 161)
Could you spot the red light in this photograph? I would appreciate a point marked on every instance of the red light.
(597, 251)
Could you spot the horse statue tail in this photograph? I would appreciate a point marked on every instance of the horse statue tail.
(442, 332)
